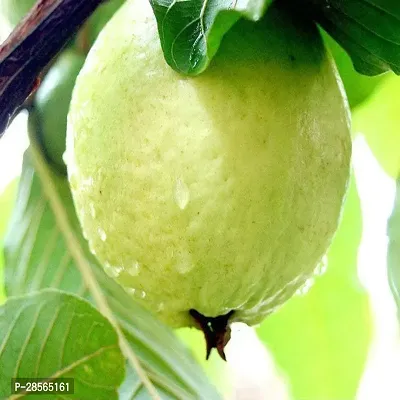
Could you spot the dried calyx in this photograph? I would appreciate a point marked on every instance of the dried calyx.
(217, 331)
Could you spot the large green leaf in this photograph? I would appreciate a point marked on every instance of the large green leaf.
(45, 249)
(393, 257)
(191, 30)
(53, 334)
(320, 340)
(358, 87)
(369, 30)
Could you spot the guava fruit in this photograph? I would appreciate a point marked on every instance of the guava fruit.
(378, 119)
(51, 104)
(210, 199)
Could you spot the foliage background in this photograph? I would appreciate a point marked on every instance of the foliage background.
(252, 371)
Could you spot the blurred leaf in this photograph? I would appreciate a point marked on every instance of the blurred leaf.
(369, 30)
(2, 294)
(191, 31)
(393, 257)
(14, 10)
(48, 115)
(7, 198)
(53, 334)
(378, 119)
(320, 340)
(100, 17)
(358, 87)
(45, 249)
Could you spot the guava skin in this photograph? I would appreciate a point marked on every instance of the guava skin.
(217, 193)
(51, 105)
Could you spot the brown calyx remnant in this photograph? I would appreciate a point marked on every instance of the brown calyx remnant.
(217, 331)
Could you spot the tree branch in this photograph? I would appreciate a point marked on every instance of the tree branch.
(34, 42)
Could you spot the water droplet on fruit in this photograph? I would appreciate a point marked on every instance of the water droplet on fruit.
(112, 271)
(136, 292)
(184, 266)
(91, 248)
(87, 182)
(322, 266)
(160, 307)
(306, 287)
(181, 194)
(92, 210)
(134, 269)
(102, 234)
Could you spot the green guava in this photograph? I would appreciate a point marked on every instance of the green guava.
(378, 119)
(210, 199)
(358, 87)
(51, 104)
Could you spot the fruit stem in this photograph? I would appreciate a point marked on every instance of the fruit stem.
(217, 331)
(32, 45)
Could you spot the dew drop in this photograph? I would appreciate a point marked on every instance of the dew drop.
(87, 182)
(181, 194)
(160, 307)
(102, 234)
(184, 266)
(92, 210)
(113, 271)
(306, 287)
(134, 269)
(141, 294)
(91, 248)
(322, 266)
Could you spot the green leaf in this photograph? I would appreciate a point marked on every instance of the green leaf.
(358, 87)
(45, 249)
(54, 334)
(320, 340)
(369, 30)
(7, 199)
(191, 30)
(393, 256)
